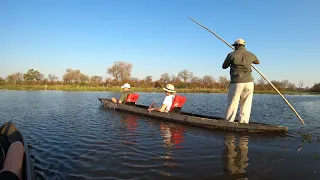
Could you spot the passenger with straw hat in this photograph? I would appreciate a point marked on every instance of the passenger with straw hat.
(167, 103)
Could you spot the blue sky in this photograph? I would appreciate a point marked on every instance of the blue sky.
(157, 36)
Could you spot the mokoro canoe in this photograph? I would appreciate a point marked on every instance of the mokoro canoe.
(12, 134)
(209, 122)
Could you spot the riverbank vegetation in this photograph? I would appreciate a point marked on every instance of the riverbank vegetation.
(120, 72)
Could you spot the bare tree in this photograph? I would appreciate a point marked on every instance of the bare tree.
(175, 79)
(52, 78)
(277, 84)
(108, 81)
(195, 82)
(14, 78)
(224, 82)
(208, 81)
(96, 80)
(165, 78)
(185, 75)
(261, 81)
(84, 78)
(148, 79)
(120, 70)
(285, 84)
(301, 84)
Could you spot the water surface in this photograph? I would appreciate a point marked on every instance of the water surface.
(71, 136)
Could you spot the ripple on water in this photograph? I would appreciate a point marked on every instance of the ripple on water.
(71, 137)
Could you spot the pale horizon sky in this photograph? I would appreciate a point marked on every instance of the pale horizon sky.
(157, 37)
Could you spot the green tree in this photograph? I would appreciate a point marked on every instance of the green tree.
(315, 88)
(277, 84)
(33, 75)
(2, 81)
(291, 87)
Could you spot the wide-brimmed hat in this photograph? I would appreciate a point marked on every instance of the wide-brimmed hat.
(239, 42)
(169, 88)
(126, 85)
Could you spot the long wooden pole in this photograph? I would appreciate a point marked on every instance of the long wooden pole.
(264, 77)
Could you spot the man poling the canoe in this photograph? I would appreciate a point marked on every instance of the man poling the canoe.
(241, 86)
(256, 70)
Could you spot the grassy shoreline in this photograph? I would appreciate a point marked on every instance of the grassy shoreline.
(117, 89)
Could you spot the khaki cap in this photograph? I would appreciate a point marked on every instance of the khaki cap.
(239, 41)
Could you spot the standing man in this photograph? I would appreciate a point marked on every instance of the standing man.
(241, 85)
(124, 95)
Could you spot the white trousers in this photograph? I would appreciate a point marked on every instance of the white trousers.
(242, 92)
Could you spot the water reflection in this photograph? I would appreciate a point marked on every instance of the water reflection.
(235, 156)
(172, 135)
(131, 122)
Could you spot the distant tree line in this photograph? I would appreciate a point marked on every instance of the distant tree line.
(120, 72)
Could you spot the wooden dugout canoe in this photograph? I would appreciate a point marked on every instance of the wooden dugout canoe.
(9, 131)
(209, 122)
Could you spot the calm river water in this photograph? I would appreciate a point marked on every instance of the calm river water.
(71, 137)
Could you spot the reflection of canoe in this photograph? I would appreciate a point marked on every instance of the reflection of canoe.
(209, 122)
(12, 133)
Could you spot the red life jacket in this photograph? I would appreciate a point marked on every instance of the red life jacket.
(132, 98)
(178, 102)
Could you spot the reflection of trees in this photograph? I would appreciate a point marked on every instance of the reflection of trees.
(235, 156)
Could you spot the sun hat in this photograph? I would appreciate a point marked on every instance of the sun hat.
(169, 88)
(239, 42)
(126, 85)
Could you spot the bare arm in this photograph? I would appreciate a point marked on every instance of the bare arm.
(163, 107)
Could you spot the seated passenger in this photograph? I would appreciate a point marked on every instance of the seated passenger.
(167, 103)
(124, 95)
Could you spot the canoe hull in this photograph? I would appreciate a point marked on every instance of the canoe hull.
(13, 135)
(196, 120)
